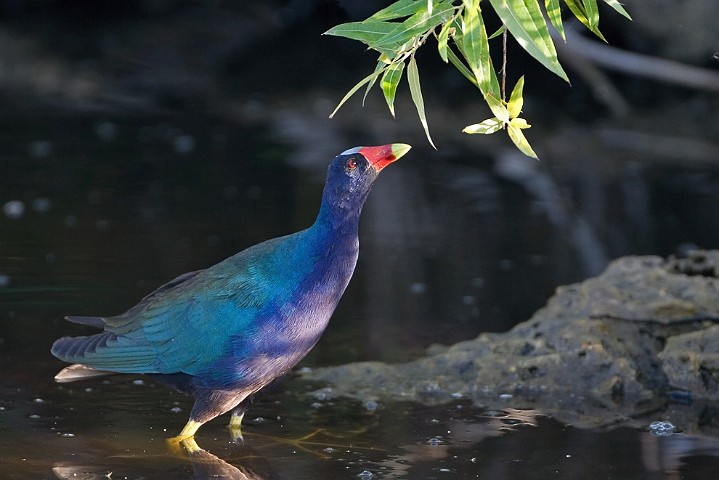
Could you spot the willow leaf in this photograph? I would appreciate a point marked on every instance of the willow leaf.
(618, 7)
(457, 62)
(592, 9)
(420, 22)
(442, 40)
(416, 91)
(366, 32)
(516, 135)
(369, 78)
(400, 9)
(390, 79)
(516, 101)
(486, 127)
(580, 11)
(525, 22)
(475, 46)
(499, 109)
(554, 12)
(380, 65)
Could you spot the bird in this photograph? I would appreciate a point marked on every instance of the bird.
(223, 333)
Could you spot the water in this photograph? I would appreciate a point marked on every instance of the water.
(99, 211)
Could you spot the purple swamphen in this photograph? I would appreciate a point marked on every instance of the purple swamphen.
(223, 333)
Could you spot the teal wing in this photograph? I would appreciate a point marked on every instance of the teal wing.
(183, 326)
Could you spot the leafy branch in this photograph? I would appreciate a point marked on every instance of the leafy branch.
(399, 30)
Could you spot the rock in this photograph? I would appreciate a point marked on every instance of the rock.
(600, 351)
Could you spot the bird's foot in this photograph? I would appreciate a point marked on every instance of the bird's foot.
(185, 438)
(180, 445)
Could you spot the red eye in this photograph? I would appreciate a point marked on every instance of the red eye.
(352, 163)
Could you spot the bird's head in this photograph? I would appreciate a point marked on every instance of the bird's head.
(352, 173)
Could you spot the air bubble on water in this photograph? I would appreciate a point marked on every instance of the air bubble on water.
(365, 475)
(38, 400)
(14, 209)
(434, 441)
(138, 382)
(321, 395)
(315, 405)
(662, 429)
(371, 405)
(505, 396)
(176, 410)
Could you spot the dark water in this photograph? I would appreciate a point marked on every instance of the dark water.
(97, 212)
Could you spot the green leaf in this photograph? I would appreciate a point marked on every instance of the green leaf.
(590, 6)
(486, 127)
(366, 32)
(461, 66)
(515, 100)
(498, 108)
(381, 63)
(618, 7)
(419, 23)
(390, 80)
(516, 135)
(580, 11)
(442, 40)
(499, 32)
(525, 22)
(402, 8)
(475, 46)
(519, 123)
(416, 92)
(554, 12)
(369, 78)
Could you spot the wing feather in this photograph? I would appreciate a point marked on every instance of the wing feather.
(186, 324)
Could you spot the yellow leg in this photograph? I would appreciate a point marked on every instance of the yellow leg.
(188, 432)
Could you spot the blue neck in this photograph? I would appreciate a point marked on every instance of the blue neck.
(339, 217)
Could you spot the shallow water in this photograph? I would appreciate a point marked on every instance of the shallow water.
(97, 212)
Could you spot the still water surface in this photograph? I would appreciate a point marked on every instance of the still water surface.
(97, 212)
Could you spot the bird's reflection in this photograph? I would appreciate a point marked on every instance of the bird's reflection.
(207, 466)
(248, 466)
